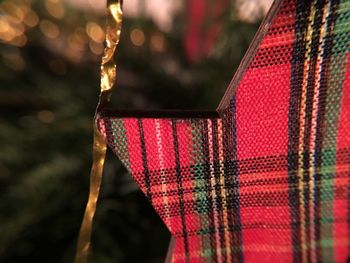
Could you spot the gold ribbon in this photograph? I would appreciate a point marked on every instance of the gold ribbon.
(108, 78)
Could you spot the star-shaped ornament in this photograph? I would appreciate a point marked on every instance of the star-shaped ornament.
(265, 178)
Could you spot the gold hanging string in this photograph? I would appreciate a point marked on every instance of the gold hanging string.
(108, 78)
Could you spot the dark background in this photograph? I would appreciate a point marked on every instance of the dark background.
(49, 82)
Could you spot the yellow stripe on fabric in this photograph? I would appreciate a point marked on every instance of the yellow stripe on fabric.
(313, 138)
(108, 78)
(165, 201)
(308, 41)
(223, 190)
(213, 192)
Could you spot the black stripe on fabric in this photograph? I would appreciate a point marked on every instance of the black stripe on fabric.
(342, 154)
(231, 179)
(110, 134)
(163, 114)
(218, 187)
(144, 160)
(298, 58)
(180, 190)
(256, 226)
(327, 52)
(313, 58)
(210, 213)
(269, 198)
(236, 181)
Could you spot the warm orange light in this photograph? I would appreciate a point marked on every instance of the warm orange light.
(95, 32)
(7, 35)
(15, 12)
(55, 8)
(157, 43)
(96, 48)
(49, 29)
(12, 33)
(76, 42)
(31, 19)
(76, 46)
(4, 26)
(137, 37)
(79, 37)
(19, 41)
(12, 28)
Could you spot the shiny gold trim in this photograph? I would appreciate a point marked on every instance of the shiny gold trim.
(108, 79)
(99, 153)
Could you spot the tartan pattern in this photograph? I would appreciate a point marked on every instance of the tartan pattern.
(266, 179)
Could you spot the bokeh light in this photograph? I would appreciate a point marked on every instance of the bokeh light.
(55, 8)
(137, 37)
(49, 29)
(50, 54)
(95, 32)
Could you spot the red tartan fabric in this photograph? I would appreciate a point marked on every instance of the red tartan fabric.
(266, 178)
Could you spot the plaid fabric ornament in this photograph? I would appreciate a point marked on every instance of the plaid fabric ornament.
(266, 177)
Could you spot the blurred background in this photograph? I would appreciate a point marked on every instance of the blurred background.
(174, 54)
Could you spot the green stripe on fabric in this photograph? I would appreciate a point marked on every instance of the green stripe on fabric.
(120, 139)
(336, 74)
(200, 184)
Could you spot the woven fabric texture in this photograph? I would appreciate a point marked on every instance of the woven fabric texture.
(268, 178)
